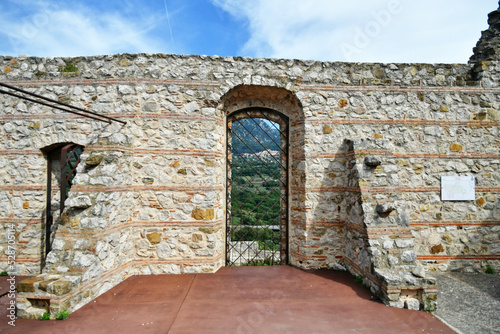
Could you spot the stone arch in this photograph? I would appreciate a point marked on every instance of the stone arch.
(58, 139)
(283, 101)
(275, 98)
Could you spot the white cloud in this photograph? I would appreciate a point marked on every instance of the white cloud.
(355, 30)
(333, 30)
(75, 30)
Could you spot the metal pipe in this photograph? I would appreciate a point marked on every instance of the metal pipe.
(63, 181)
(51, 106)
(57, 102)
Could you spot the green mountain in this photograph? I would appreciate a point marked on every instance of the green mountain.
(254, 135)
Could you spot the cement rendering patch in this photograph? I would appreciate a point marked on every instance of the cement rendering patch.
(470, 303)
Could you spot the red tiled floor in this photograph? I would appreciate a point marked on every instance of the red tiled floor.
(5, 283)
(278, 299)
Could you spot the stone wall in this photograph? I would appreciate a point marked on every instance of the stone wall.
(368, 145)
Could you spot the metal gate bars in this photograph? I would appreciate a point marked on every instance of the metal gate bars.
(66, 158)
(257, 188)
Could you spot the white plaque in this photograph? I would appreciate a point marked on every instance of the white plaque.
(458, 188)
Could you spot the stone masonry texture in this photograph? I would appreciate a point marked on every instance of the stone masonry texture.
(368, 146)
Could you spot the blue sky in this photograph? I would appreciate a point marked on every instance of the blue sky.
(328, 30)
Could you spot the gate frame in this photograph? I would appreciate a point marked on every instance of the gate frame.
(63, 151)
(284, 123)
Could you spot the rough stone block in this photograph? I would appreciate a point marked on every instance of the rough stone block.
(80, 202)
(388, 244)
(456, 147)
(412, 304)
(418, 169)
(163, 251)
(390, 278)
(33, 313)
(91, 223)
(480, 201)
(209, 230)
(410, 280)
(397, 304)
(404, 243)
(28, 285)
(148, 180)
(385, 209)
(373, 161)
(437, 249)
(59, 287)
(493, 114)
(125, 62)
(403, 219)
(409, 256)
(43, 285)
(93, 160)
(203, 214)
(154, 237)
(392, 260)
(197, 237)
(419, 271)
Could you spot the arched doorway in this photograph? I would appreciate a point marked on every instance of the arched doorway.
(257, 187)
(62, 160)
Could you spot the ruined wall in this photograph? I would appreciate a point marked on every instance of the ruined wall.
(149, 196)
(422, 134)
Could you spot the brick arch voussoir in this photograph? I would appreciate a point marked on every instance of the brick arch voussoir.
(267, 97)
(45, 144)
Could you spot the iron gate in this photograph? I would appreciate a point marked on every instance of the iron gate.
(257, 188)
(68, 157)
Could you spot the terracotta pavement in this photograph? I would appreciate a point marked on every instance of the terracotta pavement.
(278, 299)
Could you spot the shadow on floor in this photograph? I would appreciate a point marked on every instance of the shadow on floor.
(345, 278)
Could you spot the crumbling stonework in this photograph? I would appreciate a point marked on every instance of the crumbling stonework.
(369, 143)
(486, 57)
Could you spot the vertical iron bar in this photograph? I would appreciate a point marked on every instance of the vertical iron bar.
(285, 226)
(228, 190)
(63, 181)
(48, 209)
